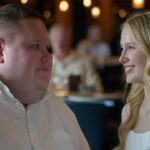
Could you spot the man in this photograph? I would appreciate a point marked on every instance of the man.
(31, 118)
(68, 62)
(94, 43)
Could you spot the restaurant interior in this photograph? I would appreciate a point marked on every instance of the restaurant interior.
(99, 114)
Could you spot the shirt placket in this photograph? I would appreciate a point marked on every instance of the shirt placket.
(32, 131)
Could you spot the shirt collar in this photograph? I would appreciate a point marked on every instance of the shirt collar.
(5, 92)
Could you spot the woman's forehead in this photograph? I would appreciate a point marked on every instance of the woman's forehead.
(127, 35)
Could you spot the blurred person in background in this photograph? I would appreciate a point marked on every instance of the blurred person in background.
(31, 117)
(68, 62)
(93, 44)
(134, 131)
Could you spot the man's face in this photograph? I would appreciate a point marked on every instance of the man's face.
(60, 42)
(26, 59)
(95, 34)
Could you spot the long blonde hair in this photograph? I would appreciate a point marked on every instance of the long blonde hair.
(140, 27)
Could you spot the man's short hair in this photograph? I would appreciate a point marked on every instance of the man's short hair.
(13, 13)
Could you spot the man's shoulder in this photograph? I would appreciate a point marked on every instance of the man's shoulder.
(58, 103)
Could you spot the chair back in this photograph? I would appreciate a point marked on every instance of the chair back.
(91, 118)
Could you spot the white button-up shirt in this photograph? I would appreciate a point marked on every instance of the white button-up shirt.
(45, 125)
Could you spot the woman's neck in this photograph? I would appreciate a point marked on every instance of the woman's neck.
(147, 94)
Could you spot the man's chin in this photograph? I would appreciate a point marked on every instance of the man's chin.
(43, 85)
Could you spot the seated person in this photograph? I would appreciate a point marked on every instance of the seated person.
(68, 62)
(94, 43)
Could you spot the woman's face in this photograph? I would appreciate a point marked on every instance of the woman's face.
(131, 57)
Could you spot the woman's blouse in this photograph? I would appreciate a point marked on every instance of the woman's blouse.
(138, 141)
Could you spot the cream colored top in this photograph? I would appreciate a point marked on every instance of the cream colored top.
(76, 64)
(46, 125)
(138, 141)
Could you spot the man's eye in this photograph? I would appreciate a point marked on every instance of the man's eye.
(49, 49)
(36, 46)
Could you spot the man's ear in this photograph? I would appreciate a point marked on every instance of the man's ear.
(1, 50)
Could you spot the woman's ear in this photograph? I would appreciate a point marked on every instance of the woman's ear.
(1, 50)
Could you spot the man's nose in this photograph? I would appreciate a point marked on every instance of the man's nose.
(47, 56)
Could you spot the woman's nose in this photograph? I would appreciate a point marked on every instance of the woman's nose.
(123, 58)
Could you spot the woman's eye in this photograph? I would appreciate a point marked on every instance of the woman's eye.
(121, 48)
(131, 47)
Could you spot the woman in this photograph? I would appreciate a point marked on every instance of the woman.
(134, 132)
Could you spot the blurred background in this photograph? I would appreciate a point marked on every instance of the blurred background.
(98, 113)
(80, 13)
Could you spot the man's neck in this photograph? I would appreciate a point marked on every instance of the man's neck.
(29, 97)
(26, 95)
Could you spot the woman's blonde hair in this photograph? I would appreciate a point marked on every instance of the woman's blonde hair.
(139, 25)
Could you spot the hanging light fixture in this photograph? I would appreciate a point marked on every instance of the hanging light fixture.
(47, 14)
(24, 1)
(63, 5)
(87, 3)
(138, 4)
(95, 11)
(122, 13)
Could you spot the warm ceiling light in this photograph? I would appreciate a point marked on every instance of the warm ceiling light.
(138, 4)
(87, 3)
(47, 14)
(63, 5)
(95, 12)
(24, 1)
(122, 13)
